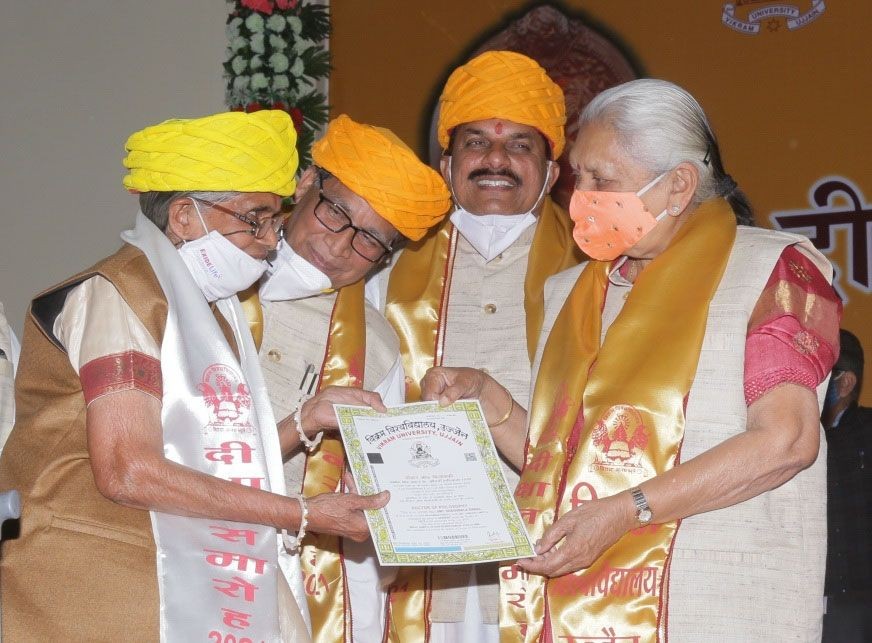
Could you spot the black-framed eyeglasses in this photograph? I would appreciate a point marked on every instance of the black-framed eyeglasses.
(258, 228)
(335, 219)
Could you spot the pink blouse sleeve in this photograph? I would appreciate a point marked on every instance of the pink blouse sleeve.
(793, 334)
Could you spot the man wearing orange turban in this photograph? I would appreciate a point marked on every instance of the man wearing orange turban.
(501, 127)
(366, 193)
(145, 450)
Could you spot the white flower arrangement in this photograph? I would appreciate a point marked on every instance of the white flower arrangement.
(297, 68)
(239, 64)
(279, 63)
(257, 44)
(277, 43)
(276, 23)
(276, 53)
(281, 82)
(259, 81)
(255, 23)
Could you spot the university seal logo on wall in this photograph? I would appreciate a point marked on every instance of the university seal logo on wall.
(227, 397)
(621, 436)
(753, 16)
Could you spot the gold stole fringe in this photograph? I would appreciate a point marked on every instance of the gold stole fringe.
(321, 555)
(417, 304)
(627, 398)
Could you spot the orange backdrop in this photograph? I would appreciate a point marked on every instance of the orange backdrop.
(790, 103)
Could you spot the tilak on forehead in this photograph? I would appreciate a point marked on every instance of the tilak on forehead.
(499, 127)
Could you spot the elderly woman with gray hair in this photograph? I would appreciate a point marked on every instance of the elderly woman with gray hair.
(670, 468)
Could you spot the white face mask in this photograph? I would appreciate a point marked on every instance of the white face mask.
(218, 267)
(491, 234)
(292, 277)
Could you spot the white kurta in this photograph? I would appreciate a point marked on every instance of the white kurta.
(291, 355)
(753, 571)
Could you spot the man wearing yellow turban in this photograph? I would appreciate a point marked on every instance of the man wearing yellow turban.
(144, 448)
(501, 128)
(366, 193)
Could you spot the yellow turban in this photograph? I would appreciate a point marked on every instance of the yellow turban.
(503, 84)
(227, 152)
(377, 166)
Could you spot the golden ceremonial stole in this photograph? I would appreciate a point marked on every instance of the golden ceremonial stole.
(250, 302)
(321, 556)
(604, 419)
(417, 308)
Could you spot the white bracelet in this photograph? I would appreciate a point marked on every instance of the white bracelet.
(294, 543)
(298, 422)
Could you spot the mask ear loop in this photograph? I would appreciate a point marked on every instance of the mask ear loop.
(200, 215)
(457, 205)
(666, 211)
(544, 186)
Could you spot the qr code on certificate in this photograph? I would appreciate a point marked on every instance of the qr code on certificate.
(470, 457)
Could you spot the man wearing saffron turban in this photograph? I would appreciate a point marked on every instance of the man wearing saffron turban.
(144, 447)
(366, 194)
(472, 292)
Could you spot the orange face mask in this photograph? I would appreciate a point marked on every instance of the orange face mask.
(607, 224)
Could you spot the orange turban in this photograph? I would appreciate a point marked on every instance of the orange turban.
(377, 166)
(226, 152)
(503, 84)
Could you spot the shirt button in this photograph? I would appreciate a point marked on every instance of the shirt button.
(490, 309)
(274, 355)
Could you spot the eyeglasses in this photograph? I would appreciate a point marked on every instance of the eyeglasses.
(258, 228)
(335, 219)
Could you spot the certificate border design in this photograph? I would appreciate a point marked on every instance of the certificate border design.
(376, 518)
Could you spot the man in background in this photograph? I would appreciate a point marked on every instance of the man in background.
(848, 426)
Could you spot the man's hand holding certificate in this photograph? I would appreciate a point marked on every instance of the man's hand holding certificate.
(450, 503)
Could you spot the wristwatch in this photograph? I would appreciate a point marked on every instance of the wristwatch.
(643, 511)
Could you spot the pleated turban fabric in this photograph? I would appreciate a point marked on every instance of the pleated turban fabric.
(376, 165)
(226, 152)
(503, 84)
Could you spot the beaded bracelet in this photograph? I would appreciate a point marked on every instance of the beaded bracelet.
(294, 543)
(298, 423)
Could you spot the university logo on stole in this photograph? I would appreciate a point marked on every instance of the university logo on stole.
(227, 398)
(621, 437)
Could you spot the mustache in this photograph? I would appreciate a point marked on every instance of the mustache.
(482, 172)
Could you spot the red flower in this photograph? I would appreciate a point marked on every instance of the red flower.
(263, 6)
(286, 4)
(297, 117)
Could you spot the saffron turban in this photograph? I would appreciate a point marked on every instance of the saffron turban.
(227, 152)
(503, 84)
(377, 166)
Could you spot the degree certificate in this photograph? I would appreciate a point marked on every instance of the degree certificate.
(450, 503)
